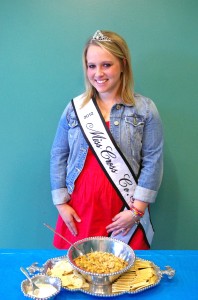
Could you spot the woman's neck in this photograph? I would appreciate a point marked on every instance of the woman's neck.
(109, 97)
(105, 106)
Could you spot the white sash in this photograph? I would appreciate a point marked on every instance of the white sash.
(107, 152)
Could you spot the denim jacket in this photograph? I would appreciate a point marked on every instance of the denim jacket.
(137, 131)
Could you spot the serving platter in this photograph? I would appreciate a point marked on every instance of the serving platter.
(102, 291)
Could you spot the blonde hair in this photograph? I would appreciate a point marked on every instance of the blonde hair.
(118, 47)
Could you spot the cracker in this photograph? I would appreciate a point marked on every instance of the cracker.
(70, 278)
(142, 274)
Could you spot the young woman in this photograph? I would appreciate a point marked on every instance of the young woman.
(107, 155)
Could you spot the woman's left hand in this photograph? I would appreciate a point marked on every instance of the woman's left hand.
(122, 222)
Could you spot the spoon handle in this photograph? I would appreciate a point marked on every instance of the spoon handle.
(25, 273)
(52, 229)
(34, 286)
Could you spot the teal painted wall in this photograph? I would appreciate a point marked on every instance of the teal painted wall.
(40, 71)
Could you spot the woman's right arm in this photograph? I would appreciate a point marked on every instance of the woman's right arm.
(58, 162)
(58, 167)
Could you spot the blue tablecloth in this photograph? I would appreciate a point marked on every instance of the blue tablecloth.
(184, 285)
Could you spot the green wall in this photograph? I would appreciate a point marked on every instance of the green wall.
(40, 71)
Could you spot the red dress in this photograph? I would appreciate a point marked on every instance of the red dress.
(96, 202)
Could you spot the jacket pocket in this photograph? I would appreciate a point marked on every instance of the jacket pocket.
(135, 120)
(134, 134)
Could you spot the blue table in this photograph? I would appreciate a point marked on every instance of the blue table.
(184, 285)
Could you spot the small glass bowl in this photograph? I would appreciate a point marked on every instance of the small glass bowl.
(41, 279)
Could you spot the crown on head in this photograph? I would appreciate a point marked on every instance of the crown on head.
(99, 36)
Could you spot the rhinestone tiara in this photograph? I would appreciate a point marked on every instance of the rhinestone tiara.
(99, 36)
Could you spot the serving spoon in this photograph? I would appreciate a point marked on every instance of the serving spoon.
(35, 288)
(52, 229)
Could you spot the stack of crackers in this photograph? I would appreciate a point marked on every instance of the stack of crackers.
(70, 278)
(142, 274)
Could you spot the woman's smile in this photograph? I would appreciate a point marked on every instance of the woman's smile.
(101, 81)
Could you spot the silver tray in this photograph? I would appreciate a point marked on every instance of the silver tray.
(103, 291)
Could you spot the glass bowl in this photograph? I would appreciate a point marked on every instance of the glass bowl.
(41, 280)
(103, 244)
